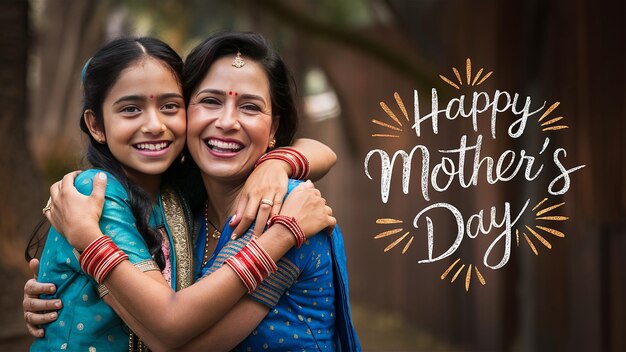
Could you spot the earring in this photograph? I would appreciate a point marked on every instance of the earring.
(272, 143)
(182, 158)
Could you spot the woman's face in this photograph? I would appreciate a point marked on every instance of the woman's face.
(230, 120)
(144, 119)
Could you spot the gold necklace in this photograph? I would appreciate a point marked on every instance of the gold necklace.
(215, 235)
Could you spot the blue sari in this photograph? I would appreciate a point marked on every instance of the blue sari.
(307, 298)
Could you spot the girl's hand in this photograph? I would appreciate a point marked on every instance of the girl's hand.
(306, 205)
(75, 215)
(267, 184)
(38, 311)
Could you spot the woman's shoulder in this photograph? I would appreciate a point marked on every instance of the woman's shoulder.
(84, 183)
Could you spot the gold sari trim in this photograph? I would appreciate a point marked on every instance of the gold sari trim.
(177, 223)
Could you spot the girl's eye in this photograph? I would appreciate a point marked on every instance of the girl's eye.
(170, 107)
(130, 109)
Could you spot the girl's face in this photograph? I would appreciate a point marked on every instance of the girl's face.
(144, 119)
(230, 120)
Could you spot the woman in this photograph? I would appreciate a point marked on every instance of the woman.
(134, 115)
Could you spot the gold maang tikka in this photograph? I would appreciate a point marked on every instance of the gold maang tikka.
(238, 61)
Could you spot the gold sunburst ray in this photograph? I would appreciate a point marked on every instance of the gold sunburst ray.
(468, 70)
(517, 237)
(445, 79)
(400, 103)
(539, 204)
(457, 273)
(550, 109)
(539, 237)
(548, 209)
(458, 75)
(555, 128)
(408, 244)
(394, 243)
(530, 244)
(553, 218)
(480, 72)
(388, 233)
(468, 278)
(480, 276)
(390, 113)
(385, 221)
(385, 135)
(551, 231)
(380, 123)
(445, 273)
(552, 121)
(484, 78)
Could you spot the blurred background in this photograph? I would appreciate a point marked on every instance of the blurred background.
(347, 57)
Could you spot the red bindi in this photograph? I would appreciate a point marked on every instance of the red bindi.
(230, 93)
(151, 97)
(236, 93)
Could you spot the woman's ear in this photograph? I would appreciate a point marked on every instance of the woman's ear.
(274, 129)
(96, 131)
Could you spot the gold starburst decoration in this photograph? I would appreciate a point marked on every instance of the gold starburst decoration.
(397, 127)
(468, 76)
(387, 221)
(539, 216)
(546, 126)
(468, 274)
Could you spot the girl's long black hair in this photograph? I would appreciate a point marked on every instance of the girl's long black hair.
(99, 75)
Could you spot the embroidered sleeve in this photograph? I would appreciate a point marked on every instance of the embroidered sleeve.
(273, 287)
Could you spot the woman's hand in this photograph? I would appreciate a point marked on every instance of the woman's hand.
(38, 311)
(75, 215)
(268, 182)
(306, 205)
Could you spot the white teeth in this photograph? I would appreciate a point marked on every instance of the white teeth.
(228, 146)
(151, 146)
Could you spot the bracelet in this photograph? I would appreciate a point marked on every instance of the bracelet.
(252, 265)
(100, 257)
(292, 225)
(302, 160)
(299, 164)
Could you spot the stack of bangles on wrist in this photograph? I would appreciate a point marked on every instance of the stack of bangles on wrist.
(252, 264)
(292, 225)
(100, 257)
(298, 162)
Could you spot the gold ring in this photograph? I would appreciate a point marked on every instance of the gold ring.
(267, 201)
(47, 207)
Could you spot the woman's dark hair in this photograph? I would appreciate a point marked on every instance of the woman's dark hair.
(99, 75)
(251, 46)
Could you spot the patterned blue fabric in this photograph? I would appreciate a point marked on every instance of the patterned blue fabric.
(86, 323)
(314, 312)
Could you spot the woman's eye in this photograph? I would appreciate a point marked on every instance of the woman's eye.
(250, 107)
(210, 101)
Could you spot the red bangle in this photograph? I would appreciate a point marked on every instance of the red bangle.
(100, 257)
(252, 265)
(300, 167)
(292, 225)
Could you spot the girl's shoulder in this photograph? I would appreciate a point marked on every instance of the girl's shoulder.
(84, 183)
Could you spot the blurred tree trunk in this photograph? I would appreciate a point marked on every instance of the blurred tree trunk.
(20, 183)
(69, 33)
